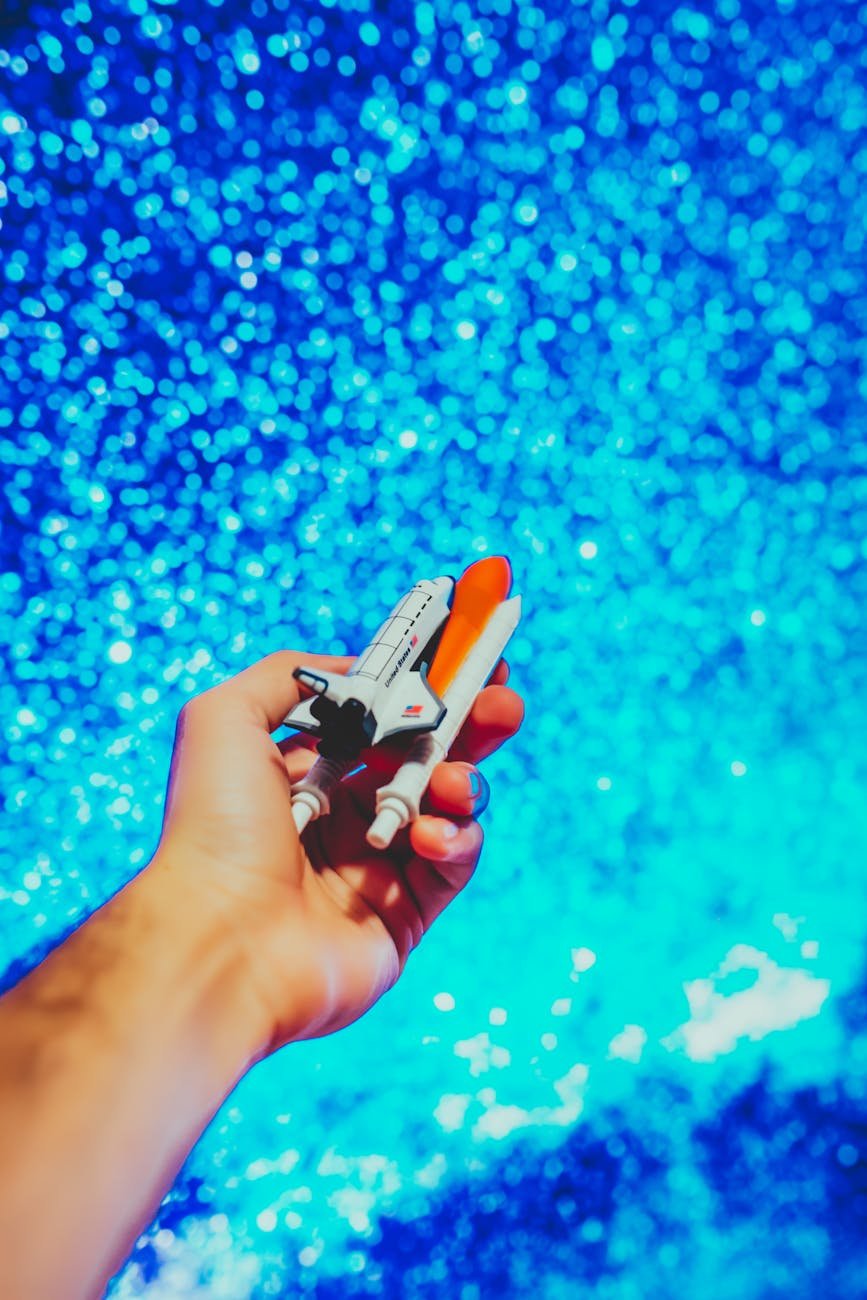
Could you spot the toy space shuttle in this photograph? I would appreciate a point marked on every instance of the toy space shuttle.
(419, 676)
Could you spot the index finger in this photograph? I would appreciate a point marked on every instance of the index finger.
(268, 690)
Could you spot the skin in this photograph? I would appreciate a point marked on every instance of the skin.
(236, 939)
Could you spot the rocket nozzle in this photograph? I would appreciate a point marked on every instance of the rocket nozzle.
(314, 681)
(388, 821)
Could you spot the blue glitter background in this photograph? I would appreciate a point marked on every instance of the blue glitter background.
(302, 302)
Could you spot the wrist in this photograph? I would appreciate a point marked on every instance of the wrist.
(197, 957)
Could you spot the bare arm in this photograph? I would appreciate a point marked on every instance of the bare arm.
(237, 938)
(116, 1052)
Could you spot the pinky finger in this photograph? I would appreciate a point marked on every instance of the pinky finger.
(447, 840)
(443, 864)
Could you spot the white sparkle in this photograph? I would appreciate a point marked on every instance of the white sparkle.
(120, 652)
(628, 1044)
(450, 1111)
(780, 998)
(583, 958)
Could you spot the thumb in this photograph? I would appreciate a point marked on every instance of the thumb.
(267, 690)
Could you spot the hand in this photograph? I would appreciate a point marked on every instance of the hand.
(325, 923)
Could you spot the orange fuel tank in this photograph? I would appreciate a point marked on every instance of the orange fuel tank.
(478, 592)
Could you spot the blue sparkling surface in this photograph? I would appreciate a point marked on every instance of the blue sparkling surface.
(302, 302)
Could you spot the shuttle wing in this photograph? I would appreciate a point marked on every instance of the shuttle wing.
(302, 718)
(333, 686)
(412, 705)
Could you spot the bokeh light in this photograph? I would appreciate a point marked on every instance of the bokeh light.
(303, 301)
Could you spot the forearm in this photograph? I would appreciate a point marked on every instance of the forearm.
(117, 1051)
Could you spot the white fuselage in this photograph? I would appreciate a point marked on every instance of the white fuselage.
(394, 698)
(401, 639)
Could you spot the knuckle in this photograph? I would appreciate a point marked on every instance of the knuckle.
(285, 660)
(185, 715)
(478, 845)
(193, 709)
(415, 933)
(468, 856)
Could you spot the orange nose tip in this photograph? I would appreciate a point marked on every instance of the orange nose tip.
(491, 576)
(478, 592)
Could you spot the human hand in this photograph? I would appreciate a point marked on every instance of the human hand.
(324, 924)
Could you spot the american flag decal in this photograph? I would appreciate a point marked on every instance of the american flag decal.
(412, 710)
(414, 641)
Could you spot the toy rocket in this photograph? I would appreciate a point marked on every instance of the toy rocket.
(419, 676)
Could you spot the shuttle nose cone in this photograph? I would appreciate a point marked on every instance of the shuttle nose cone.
(489, 579)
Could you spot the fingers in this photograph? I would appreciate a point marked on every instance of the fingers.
(267, 690)
(376, 882)
(447, 852)
(452, 843)
(429, 861)
(441, 858)
(299, 740)
(457, 790)
(299, 754)
(500, 675)
(496, 715)
(446, 847)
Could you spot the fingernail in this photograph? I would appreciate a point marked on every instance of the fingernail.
(450, 831)
(481, 793)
